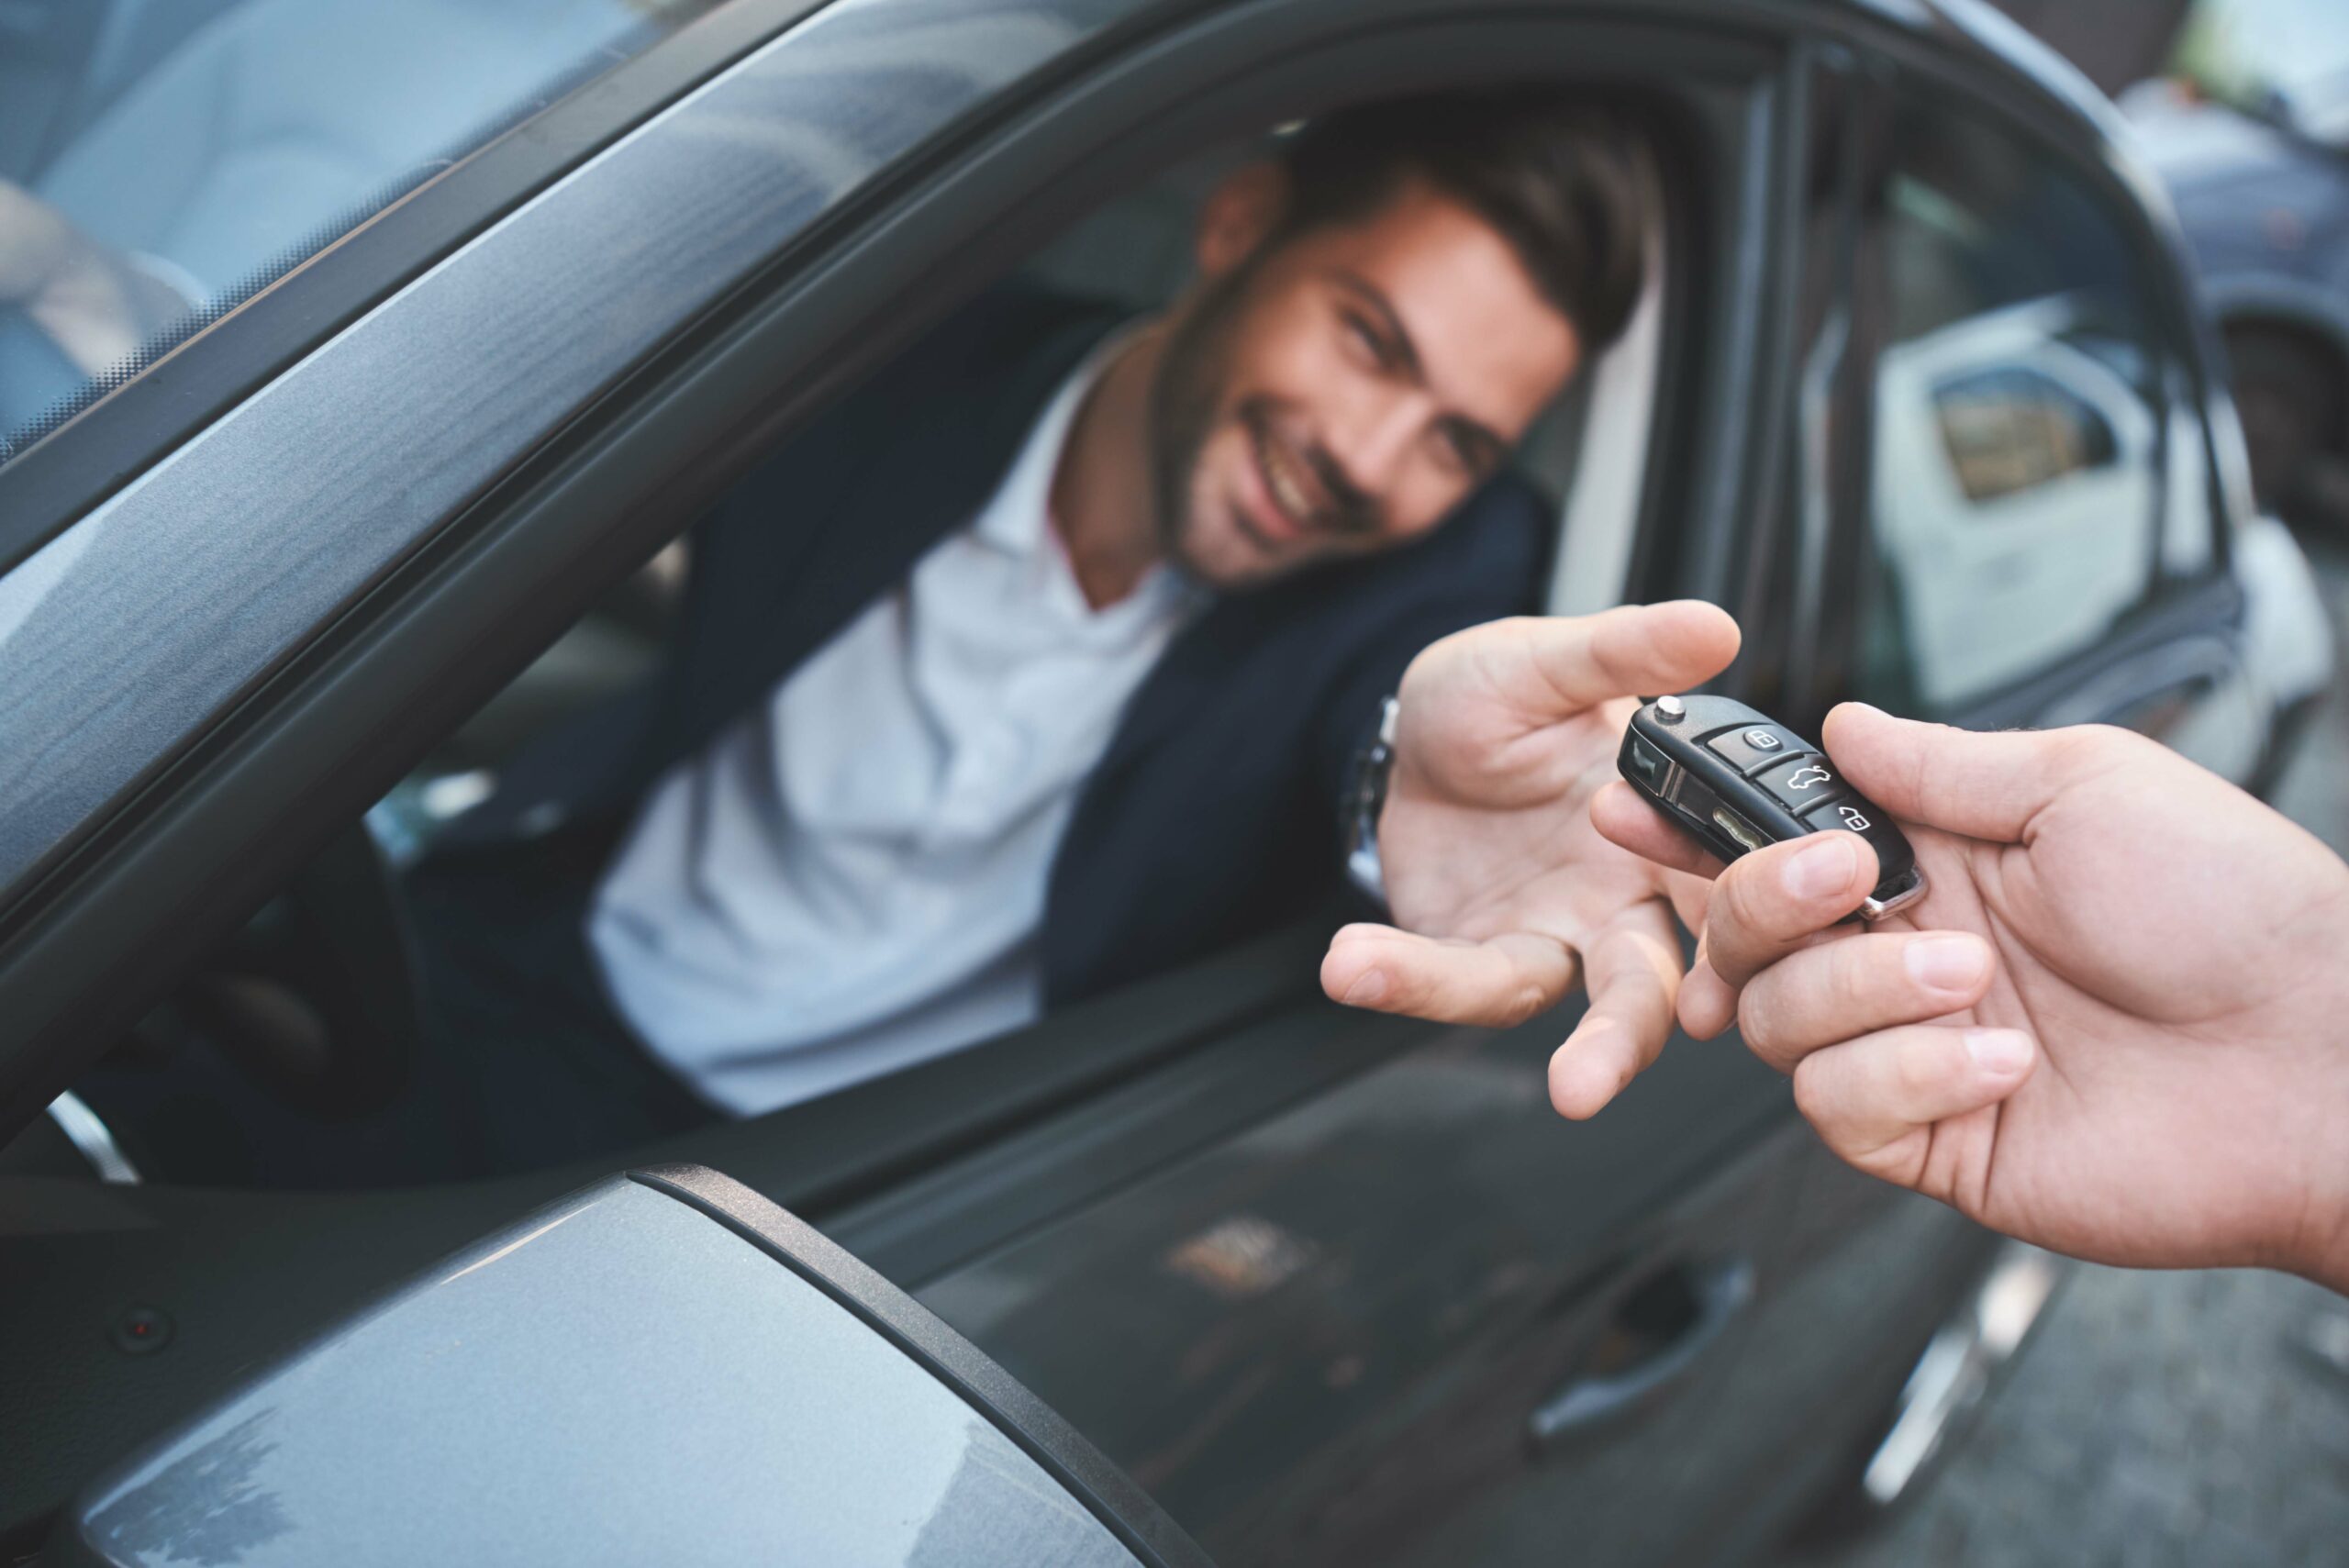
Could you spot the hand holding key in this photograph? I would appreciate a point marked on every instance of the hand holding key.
(2114, 1025)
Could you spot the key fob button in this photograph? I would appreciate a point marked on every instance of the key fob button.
(1800, 783)
(1854, 815)
(1754, 746)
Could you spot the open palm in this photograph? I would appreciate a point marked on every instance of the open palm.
(1504, 894)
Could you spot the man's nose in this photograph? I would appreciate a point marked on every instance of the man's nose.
(1372, 445)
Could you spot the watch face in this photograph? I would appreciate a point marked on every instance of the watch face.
(1365, 797)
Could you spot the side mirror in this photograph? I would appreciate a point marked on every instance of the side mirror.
(662, 1368)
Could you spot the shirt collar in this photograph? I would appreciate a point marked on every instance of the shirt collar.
(1014, 518)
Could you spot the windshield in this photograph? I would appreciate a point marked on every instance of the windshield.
(160, 161)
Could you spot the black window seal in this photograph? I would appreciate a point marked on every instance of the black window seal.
(58, 478)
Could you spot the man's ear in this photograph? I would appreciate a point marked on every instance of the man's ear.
(1238, 214)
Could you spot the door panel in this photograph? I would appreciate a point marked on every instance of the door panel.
(1864, 1272)
(1324, 1339)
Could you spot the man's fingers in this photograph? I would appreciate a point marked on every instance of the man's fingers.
(1630, 822)
(1631, 651)
(1875, 1100)
(1776, 899)
(1983, 785)
(1501, 981)
(1858, 985)
(1708, 1003)
(1633, 970)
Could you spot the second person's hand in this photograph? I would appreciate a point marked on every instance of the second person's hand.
(2113, 1025)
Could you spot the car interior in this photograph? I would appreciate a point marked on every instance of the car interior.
(182, 136)
(316, 996)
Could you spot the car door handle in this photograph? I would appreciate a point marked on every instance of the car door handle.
(1695, 1302)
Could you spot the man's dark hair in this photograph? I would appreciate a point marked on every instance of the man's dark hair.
(1555, 177)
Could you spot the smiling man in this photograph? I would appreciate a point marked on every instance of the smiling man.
(1036, 666)
(1039, 663)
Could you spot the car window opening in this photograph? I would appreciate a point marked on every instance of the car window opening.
(875, 836)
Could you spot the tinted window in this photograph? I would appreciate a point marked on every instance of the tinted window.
(159, 163)
(2022, 434)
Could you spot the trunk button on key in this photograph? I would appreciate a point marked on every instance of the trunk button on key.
(1801, 782)
(1711, 768)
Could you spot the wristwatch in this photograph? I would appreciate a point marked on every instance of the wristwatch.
(1366, 798)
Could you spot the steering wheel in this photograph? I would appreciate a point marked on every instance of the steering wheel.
(316, 997)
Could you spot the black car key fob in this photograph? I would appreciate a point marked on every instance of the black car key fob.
(1735, 780)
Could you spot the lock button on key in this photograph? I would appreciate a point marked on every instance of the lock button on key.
(1754, 747)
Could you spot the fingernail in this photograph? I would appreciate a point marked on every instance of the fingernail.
(1366, 989)
(1825, 867)
(1946, 963)
(2003, 1053)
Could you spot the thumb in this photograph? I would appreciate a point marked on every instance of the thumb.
(1985, 785)
(1546, 668)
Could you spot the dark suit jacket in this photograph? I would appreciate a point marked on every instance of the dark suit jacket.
(1214, 812)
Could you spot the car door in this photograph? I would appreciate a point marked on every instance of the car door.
(1334, 1285)
(2004, 454)
(1546, 1337)
(1410, 1318)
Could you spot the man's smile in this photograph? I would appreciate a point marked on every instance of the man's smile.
(1286, 492)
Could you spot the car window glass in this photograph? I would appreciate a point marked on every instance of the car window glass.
(2022, 486)
(160, 163)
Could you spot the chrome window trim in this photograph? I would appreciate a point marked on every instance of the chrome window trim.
(93, 1139)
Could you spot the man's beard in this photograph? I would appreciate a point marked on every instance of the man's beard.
(1185, 396)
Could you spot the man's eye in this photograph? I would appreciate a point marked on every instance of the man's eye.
(1459, 453)
(1365, 339)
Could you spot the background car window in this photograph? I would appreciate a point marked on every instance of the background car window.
(160, 162)
(2012, 430)
(2021, 496)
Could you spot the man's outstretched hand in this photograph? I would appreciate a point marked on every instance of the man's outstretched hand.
(1502, 891)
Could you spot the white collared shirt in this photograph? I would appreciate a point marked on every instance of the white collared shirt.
(851, 878)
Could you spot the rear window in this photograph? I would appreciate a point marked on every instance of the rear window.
(161, 161)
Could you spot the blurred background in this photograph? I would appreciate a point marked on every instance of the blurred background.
(2201, 1417)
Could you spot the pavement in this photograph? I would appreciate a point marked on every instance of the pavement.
(2156, 1419)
